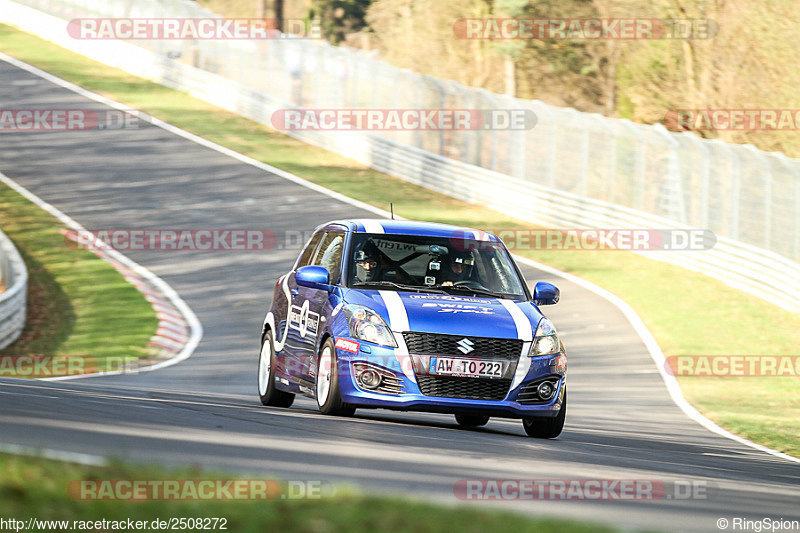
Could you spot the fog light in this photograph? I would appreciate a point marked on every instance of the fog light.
(546, 390)
(369, 378)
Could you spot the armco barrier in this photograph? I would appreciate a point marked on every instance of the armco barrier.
(574, 170)
(13, 301)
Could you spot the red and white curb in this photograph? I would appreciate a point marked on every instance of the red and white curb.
(179, 330)
(172, 333)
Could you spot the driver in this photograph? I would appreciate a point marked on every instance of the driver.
(368, 263)
(460, 265)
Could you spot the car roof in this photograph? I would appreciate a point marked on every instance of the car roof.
(412, 227)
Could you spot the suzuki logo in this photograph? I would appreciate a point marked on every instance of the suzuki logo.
(465, 345)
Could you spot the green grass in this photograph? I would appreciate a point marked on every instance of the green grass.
(687, 312)
(34, 487)
(78, 305)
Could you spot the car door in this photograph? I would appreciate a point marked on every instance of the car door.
(312, 301)
(289, 361)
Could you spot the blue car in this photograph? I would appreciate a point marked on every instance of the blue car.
(414, 316)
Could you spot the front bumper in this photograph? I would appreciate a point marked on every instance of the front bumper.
(412, 398)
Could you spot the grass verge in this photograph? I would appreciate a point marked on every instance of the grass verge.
(687, 312)
(78, 305)
(37, 488)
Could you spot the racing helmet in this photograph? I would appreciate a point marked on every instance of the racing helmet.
(465, 260)
(367, 261)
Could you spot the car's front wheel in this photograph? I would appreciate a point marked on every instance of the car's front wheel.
(472, 421)
(546, 428)
(329, 399)
(267, 392)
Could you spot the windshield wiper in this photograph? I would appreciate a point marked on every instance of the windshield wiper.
(474, 290)
(400, 286)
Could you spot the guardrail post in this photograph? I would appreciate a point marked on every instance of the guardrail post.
(792, 167)
(551, 145)
(518, 144)
(442, 105)
(796, 210)
(612, 161)
(767, 192)
(676, 208)
(705, 180)
(584, 152)
(638, 194)
(736, 193)
(492, 132)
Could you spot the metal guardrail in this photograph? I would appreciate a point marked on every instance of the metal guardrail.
(14, 299)
(573, 170)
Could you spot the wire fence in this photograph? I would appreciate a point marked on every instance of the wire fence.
(735, 191)
(572, 170)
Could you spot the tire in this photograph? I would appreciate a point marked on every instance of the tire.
(326, 388)
(472, 421)
(546, 428)
(267, 392)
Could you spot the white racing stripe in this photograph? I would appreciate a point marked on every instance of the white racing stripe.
(480, 235)
(398, 316)
(398, 323)
(524, 330)
(371, 226)
(522, 367)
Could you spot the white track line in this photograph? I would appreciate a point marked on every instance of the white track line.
(195, 328)
(56, 455)
(638, 325)
(192, 137)
(653, 348)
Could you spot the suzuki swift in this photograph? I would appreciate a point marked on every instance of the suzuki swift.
(414, 316)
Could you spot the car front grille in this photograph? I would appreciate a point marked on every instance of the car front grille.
(465, 388)
(483, 347)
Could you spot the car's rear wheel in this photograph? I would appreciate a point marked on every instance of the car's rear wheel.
(546, 428)
(329, 399)
(267, 391)
(472, 421)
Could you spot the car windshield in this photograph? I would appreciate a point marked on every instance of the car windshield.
(434, 264)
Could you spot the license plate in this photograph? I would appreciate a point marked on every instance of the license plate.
(466, 367)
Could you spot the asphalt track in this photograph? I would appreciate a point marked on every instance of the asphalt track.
(621, 424)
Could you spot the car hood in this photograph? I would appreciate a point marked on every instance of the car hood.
(450, 314)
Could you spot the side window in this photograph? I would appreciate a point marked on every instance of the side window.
(308, 253)
(330, 254)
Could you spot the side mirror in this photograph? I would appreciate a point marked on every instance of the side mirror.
(545, 293)
(313, 277)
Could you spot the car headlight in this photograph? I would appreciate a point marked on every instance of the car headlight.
(367, 325)
(546, 341)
